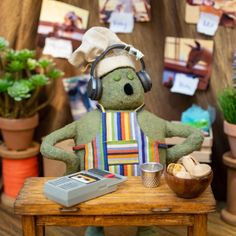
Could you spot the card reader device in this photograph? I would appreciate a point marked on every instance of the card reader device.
(81, 186)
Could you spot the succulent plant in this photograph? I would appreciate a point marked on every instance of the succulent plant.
(22, 78)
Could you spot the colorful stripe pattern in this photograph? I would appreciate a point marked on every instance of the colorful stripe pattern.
(120, 146)
(125, 151)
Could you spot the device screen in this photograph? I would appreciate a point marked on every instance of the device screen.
(84, 178)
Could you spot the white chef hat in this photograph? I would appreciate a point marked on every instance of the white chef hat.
(95, 41)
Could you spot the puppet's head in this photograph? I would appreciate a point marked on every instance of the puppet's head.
(115, 82)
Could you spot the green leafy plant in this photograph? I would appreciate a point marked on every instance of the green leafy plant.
(22, 80)
(227, 104)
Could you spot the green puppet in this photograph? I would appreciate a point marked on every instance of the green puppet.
(119, 135)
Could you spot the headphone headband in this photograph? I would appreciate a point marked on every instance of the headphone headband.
(95, 84)
(126, 47)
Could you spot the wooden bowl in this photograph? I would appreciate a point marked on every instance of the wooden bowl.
(188, 188)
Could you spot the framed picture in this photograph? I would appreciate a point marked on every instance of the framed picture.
(139, 8)
(192, 57)
(61, 27)
(227, 7)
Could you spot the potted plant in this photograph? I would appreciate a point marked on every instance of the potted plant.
(22, 80)
(227, 104)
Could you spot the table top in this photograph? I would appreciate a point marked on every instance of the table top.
(131, 197)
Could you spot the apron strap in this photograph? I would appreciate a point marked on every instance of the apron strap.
(101, 108)
(139, 108)
(161, 145)
(78, 147)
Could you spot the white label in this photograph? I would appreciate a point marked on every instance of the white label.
(184, 84)
(58, 47)
(208, 23)
(121, 22)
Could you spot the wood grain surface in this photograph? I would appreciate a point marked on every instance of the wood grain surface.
(131, 205)
(130, 198)
(10, 225)
(19, 21)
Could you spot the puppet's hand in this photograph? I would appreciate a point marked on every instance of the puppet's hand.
(71, 160)
(193, 141)
(49, 150)
(72, 165)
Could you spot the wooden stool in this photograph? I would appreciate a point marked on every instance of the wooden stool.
(229, 213)
(131, 205)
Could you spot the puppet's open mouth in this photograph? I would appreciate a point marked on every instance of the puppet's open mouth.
(128, 89)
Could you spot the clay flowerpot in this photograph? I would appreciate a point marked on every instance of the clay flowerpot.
(18, 133)
(230, 130)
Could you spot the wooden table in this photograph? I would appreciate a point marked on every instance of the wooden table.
(131, 205)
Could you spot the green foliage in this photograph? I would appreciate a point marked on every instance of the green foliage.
(54, 73)
(39, 80)
(3, 44)
(15, 66)
(20, 90)
(32, 64)
(44, 63)
(5, 84)
(22, 78)
(227, 104)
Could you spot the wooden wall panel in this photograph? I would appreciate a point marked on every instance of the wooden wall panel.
(9, 19)
(19, 25)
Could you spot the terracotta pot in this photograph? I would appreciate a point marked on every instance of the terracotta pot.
(230, 130)
(18, 133)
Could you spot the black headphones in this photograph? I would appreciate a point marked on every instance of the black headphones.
(95, 84)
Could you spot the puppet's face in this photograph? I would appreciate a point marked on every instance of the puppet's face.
(121, 90)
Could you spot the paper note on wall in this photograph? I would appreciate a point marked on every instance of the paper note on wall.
(209, 20)
(121, 22)
(184, 84)
(58, 47)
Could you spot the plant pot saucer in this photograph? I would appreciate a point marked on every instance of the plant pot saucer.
(229, 160)
(11, 154)
(228, 217)
(230, 131)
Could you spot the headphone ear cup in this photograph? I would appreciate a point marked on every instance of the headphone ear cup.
(99, 89)
(94, 88)
(145, 80)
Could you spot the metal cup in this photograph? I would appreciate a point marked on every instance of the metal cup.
(151, 173)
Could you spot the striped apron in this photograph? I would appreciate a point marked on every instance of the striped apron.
(120, 145)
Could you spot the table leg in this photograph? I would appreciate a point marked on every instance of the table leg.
(199, 227)
(28, 226)
(40, 230)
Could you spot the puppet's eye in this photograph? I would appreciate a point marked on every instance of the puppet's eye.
(117, 77)
(130, 76)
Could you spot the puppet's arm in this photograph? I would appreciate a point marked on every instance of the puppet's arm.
(194, 139)
(50, 151)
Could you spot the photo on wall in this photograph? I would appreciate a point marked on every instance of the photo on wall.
(187, 60)
(141, 9)
(226, 7)
(61, 28)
